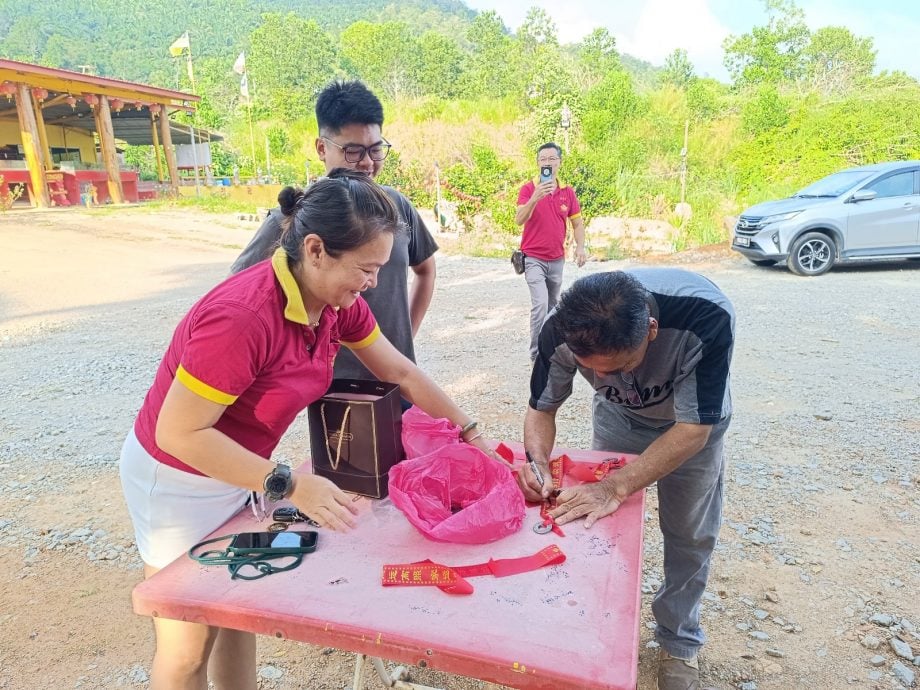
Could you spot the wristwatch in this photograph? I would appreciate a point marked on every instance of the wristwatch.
(278, 483)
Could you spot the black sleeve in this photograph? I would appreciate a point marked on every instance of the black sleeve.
(553, 370)
(263, 243)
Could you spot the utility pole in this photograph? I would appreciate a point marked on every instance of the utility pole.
(683, 163)
(683, 209)
(437, 196)
(565, 119)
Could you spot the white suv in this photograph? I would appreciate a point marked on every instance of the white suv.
(871, 212)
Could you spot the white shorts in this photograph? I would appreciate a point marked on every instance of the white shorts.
(172, 510)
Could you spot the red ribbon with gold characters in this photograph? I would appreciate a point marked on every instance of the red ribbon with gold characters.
(450, 579)
(562, 466)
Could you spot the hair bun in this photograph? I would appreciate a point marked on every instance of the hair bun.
(288, 198)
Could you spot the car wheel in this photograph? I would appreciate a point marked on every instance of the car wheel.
(762, 262)
(812, 254)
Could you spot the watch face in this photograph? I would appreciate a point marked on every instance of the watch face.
(276, 484)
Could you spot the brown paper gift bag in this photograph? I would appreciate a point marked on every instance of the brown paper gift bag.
(356, 435)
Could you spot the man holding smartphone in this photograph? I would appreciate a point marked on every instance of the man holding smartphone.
(544, 207)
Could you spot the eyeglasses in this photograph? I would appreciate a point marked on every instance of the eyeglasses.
(633, 396)
(354, 153)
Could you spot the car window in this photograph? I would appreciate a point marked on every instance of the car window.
(901, 184)
(835, 185)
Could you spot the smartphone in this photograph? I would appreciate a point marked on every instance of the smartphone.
(546, 174)
(273, 542)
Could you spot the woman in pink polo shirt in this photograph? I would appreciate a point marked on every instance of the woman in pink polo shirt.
(245, 360)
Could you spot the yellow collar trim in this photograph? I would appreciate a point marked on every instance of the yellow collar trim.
(294, 310)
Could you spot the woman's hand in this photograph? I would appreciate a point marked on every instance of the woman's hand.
(481, 444)
(323, 501)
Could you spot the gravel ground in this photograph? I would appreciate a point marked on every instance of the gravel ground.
(815, 579)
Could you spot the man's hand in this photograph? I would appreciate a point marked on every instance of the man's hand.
(580, 256)
(530, 485)
(543, 189)
(591, 501)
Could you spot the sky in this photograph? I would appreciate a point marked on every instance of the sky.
(652, 29)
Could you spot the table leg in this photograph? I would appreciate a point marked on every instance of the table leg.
(398, 681)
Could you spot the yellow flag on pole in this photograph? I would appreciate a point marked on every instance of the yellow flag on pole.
(180, 44)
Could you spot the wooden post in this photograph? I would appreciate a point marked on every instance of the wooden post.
(156, 147)
(168, 151)
(31, 143)
(47, 162)
(109, 155)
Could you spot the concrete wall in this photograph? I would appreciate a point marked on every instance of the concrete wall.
(264, 195)
(57, 137)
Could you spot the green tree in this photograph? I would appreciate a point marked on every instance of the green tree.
(494, 67)
(769, 54)
(678, 70)
(597, 56)
(836, 60)
(442, 65)
(548, 74)
(485, 184)
(388, 56)
(538, 29)
(278, 141)
(545, 120)
(764, 110)
(219, 89)
(608, 106)
(289, 60)
(705, 98)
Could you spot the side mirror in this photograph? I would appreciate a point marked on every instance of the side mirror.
(863, 195)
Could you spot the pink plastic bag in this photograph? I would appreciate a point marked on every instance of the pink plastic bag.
(421, 434)
(458, 494)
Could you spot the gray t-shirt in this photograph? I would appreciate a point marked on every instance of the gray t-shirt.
(389, 300)
(685, 374)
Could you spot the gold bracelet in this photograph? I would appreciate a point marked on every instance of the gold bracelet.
(470, 440)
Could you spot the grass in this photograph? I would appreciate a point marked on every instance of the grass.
(208, 203)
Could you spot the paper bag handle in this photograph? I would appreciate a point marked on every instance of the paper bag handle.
(338, 451)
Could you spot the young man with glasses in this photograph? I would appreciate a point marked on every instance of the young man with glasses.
(656, 344)
(349, 118)
(545, 205)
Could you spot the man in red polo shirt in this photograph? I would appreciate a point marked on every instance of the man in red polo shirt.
(543, 208)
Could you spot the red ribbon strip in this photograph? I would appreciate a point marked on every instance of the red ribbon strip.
(450, 579)
(563, 465)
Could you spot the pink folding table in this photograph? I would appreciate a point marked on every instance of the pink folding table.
(572, 625)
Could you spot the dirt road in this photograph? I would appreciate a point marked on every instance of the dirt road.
(815, 579)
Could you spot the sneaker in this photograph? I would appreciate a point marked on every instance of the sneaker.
(677, 674)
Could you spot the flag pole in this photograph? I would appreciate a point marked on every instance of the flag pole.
(191, 127)
(246, 92)
(250, 92)
(252, 138)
